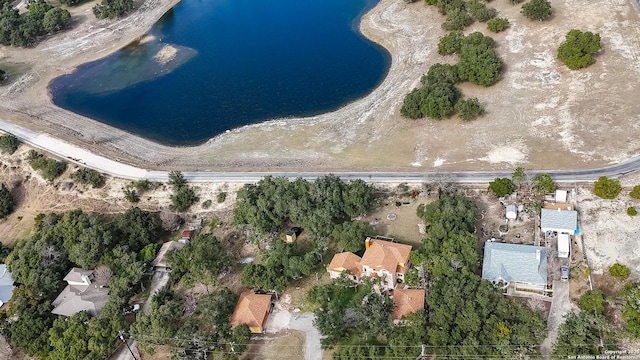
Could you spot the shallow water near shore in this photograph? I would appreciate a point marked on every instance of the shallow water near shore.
(211, 66)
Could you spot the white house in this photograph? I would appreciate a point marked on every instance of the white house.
(560, 221)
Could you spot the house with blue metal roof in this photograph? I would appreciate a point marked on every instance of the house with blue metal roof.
(560, 221)
(516, 267)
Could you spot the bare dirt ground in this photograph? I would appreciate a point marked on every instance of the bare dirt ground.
(541, 115)
(34, 195)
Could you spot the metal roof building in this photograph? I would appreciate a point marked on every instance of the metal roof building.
(513, 263)
(561, 221)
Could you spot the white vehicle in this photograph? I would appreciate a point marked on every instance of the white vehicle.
(564, 246)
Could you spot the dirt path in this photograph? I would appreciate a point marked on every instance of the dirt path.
(281, 319)
(541, 115)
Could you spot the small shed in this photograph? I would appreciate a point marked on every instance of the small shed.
(187, 234)
(292, 234)
(561, 196)
(512, 212)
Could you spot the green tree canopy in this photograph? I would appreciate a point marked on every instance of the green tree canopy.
(457, 19)
(88, 177)
(579, 335)
(593, 301)
(468, 316)
(631, 308)
(469, 109)
(112, 8)
(619, 271)
(497, 24)
(479, 65)
(537, 10)
(578, 49)
(8, 143)
(501, 186)
(543, 183)
(350, 236)
(6, 201)
(635, 192)
(607, 188)
(203, 259)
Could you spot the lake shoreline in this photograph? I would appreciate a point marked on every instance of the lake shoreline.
(368, 134)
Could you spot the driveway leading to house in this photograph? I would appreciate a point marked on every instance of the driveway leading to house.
(281, 319)
(560, 306)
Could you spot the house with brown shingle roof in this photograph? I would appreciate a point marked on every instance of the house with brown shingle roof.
(252, 309)
(387, 260)
(407, 301)
(345, 261)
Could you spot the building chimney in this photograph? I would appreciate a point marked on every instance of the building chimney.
(367, 242)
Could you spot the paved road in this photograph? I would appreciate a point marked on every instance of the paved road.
(84, 157)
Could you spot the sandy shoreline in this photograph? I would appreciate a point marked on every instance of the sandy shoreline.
(368, 134)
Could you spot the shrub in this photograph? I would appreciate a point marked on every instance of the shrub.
(631, 211)
(457, 19)
(537, 10)
(8, 143)
(440, 73)
(183, 199)
(578, 49)
(206, 204)
(607, 188)
(619, 271)
(635, 193)
(88, 176)
(141, 185)
(480, 11)
(131, 196)
(469, 109)
(112, 8)
(221, 197)
(516, 2)
(497, 24)
(450, 43)
(49, 169)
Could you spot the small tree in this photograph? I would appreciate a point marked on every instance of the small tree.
(480, 11)
(6, 201)
(450, 43)
(501, 186)
(131, 195)
(88, 176)
(182, 199)
(177, 180)
(537, 10)
(469, 109)
(221, 197)
(607, 188)
(592, 300)
(497, 24)
(631, 211)
(635, 193)
(543, 183)
(578, 49)
(518, 176)
(8, 143)
(619, 271)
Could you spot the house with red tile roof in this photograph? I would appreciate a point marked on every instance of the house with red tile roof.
(252, 309)
(407, 301)
(382, 259)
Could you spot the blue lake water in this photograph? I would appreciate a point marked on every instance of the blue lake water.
(238, 62)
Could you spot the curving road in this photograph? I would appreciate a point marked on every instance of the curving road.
(86, 158)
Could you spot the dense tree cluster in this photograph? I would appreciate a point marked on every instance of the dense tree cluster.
(470, 317)
(88, 177)
(112, 8)
(438, 98)
(281, 263)
(607, 188)
(578, 49)
(631, 308)
(50, 169)
(206, 330)
(450, 244)
(318, 206)
(39, 263)
(580, 334)
(8, 142)
(343, 310)
(22, 30)
(202, 259)
(460, 13)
